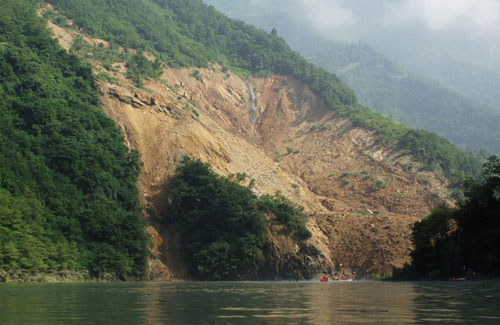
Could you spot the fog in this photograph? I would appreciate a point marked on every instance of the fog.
(360, 16)
(481, 16)
(454, 41)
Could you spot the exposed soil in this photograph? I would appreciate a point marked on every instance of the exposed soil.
(363, 196)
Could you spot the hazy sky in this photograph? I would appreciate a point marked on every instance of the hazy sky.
(442, 14)
(481, 16)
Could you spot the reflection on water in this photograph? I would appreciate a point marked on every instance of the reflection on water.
(249, 303)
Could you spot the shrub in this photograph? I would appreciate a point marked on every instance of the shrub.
(345, 174)
(286, 212)
(104, 76)
(378, 184)
(197, 75)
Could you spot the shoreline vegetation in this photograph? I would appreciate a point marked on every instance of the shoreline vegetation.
(71, 276)
(463, 241)
(50, 277)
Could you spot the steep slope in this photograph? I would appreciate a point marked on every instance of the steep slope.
(279, 133)
(68, 196)
(362, 194)
(164, 132)
(189, 33)
(363, 198)
(380, 83)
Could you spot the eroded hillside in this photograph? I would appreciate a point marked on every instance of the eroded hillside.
(362, 197)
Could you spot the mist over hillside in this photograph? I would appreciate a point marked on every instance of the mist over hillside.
(379, 81)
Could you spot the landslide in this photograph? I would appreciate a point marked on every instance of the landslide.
(363, 196)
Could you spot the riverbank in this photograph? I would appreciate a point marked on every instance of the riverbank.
(57, 276)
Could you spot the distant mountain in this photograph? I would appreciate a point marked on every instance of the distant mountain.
(381, 83)
(410, 99)
(465, 64)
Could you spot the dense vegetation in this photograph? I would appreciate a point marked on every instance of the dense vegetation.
(450, 239)
(221, 222)
(68, 197)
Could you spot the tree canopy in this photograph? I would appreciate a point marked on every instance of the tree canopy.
(67, 182)
(449, 239)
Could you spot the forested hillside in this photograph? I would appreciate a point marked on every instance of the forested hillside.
(68, 197)
(380, 83)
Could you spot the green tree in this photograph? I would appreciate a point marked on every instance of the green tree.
(479, 220)
(449, 239)
(222, 232)
(67, 181)
(436, 247)
(222, 224)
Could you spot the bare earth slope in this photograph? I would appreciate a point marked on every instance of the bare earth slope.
(362, 197)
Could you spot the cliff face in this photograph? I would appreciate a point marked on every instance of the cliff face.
(363, 197)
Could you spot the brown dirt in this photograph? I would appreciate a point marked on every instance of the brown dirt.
(363, 198)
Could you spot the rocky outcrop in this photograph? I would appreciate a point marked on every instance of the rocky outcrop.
(286, 258)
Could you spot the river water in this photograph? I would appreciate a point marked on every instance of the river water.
(250, 303)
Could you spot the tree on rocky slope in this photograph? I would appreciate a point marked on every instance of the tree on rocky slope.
(449, 239)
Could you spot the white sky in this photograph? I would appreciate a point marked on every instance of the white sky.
(442, 14)
(435, 15)
(328, 13)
